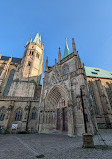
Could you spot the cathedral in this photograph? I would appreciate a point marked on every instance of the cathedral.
(70, 98)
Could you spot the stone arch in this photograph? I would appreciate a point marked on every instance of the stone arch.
(54, 114)
(54, 95)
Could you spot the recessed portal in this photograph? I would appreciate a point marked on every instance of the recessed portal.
(62, 119)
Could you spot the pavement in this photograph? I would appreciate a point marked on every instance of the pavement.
(53, 146)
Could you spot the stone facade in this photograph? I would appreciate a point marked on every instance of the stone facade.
(63, 83)
(69, 100)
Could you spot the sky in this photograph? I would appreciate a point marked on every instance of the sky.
(89, 22)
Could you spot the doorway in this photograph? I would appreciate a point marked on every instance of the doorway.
(62, 119)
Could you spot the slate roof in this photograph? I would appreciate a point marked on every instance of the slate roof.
(14, 59)
(97, 72)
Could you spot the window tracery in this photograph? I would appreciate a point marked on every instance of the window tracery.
(18, 115)
(2, 113)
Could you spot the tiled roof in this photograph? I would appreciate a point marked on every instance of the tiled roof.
(97, 72)
(14, 59)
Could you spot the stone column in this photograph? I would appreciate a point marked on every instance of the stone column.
(61, 118)
(70, 120)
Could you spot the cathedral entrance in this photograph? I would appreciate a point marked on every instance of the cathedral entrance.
(62, 118)
(65, 119)
(58, 119)
(57, 101)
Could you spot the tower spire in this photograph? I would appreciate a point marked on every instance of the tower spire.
(30, 40)
(37, 38)
(0, 55)
(66, 51)
(59, 55)
(46, 64)
(73, 46)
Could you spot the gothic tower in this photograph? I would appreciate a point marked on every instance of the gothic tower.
(33, 58)
(29, 71)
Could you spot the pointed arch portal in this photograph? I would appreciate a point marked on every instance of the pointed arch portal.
(57, 100)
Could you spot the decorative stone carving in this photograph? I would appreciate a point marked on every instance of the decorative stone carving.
(10, 107)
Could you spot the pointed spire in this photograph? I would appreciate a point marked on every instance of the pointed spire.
(6, 68)
(0, 55)
(73, 46)
(55, 61)
(46, 64)
(66, 52)
(59, 55)
(77, 53)
(30, 40)
(27, 43)
(37, 39)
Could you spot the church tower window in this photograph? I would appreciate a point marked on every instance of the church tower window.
(29, 63)
(37, 55)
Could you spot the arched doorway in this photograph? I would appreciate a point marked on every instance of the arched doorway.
(62, 115)
(57, 99)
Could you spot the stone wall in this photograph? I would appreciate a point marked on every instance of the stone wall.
(12, 105)
(22, 89)
(101, 92)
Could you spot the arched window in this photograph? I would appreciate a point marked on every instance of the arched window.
(29, 63)
(37, 55)
(18, 116)
(9, 82)
(33, 116)
(0, 72)
(65, 69)
(2, 114)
